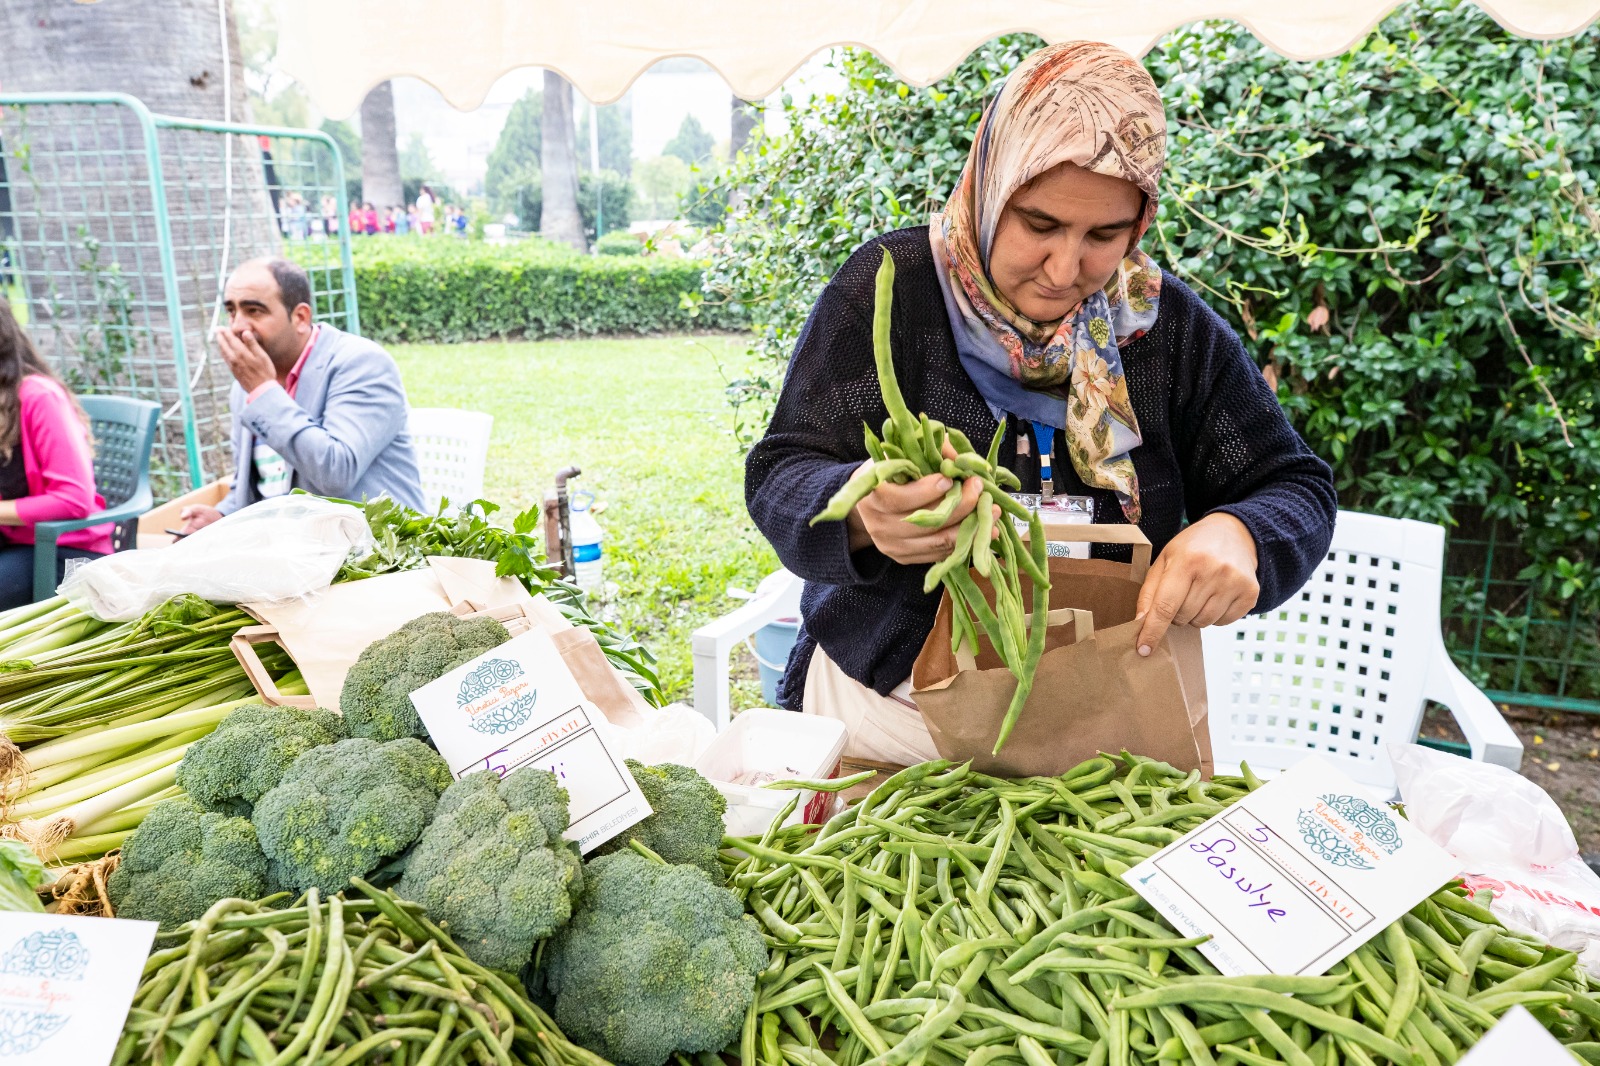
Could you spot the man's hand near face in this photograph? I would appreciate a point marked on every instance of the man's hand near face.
(251, 365)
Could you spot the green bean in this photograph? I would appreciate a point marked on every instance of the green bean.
(850, 1013)
(835, 784)
(958, 558)
(1408, 978)
(852, 492)
(1556, 962)
(1241, 997)
(937, 517)
(982, 549)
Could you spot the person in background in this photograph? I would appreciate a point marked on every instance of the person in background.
(425, 209)
(460, 222)
(357, 227)
(411, 219)
(46, 465)
(295, 219)
(330, 216)
(388, 219)
(369, 219)
(313, 407)
(400, 223)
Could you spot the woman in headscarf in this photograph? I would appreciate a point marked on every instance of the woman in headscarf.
(1029, 300)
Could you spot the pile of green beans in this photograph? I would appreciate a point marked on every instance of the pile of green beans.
(951, 917)
(331, 982)
(912, 447)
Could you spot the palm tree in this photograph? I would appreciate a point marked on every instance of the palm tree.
(89, 271)
(380, 151)
(559, 219)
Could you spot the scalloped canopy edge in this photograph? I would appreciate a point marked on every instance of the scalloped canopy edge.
(462, 47)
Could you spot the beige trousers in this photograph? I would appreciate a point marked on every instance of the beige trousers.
(885, 729)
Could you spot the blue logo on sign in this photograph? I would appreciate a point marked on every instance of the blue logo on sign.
(56, 955)
(488, 676)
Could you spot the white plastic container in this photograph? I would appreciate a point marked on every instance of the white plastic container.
(587, 553)
(780, 744)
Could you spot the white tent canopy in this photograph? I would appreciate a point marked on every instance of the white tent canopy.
(462, 47)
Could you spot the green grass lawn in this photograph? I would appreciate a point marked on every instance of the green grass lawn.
(646, 421)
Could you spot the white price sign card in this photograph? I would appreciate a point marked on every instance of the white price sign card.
(66, 983)
(518, 705)
(1295, 876)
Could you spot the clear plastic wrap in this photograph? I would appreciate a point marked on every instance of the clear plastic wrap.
(1512, 839)
(274, 551)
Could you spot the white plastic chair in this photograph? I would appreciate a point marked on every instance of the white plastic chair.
(1344, 667)
(777, 597)
(452, 449)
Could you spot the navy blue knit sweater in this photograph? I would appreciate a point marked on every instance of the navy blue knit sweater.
(1215, 439)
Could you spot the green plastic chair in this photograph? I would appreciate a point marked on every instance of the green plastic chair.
(124, 430)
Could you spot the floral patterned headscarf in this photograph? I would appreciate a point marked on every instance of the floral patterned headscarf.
(1092, 105)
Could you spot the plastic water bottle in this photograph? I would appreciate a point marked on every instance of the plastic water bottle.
(587, 554)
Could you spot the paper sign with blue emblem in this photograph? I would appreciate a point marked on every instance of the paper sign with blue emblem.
(1295, 876)
(518, 705)
(65, 986)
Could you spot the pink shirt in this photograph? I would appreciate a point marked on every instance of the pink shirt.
(59, 462)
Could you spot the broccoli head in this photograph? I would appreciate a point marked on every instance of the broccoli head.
(656, 959)
(492, 868)
(181, 860)
(376, 698)
(344, 808)
(230, 769)
(687, 825)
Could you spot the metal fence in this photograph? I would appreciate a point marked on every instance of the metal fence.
(118, 228)
(1521, 642)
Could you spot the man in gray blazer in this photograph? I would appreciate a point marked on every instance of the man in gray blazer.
(313, 407)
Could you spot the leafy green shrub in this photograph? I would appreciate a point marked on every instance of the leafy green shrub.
(1405, 236)
(619, 244)
(463, 291)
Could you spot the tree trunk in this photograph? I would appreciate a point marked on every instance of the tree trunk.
(86, 257)
(744, 124)
(168, 53)
(380, 150)
(560, 220)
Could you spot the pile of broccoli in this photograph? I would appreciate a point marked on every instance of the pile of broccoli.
(181, 860)
(344, 809)
(687, 825)
(278, 798)
(493, 869)
(641, 951)
(376, 698)
(657, 959)
(250, 751)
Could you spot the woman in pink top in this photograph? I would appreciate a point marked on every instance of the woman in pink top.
(46, 465)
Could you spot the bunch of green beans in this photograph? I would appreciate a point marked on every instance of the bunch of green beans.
(331, 982)
(951, 917)
(912, 447)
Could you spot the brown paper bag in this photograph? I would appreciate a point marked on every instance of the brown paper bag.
(325, 635)
(1091, 693)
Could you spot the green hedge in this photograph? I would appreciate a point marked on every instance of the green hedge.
(449, 290)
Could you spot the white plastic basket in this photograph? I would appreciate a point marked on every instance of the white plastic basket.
(780, 743)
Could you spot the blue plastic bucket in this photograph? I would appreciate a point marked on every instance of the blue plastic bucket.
(773, 643)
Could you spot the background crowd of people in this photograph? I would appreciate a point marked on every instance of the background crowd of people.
(424, 216)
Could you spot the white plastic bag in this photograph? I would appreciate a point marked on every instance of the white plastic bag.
(1512, 839)
(674, 733)
(279, 549)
